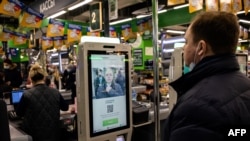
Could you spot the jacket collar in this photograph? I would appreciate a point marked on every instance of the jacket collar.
(208, 66)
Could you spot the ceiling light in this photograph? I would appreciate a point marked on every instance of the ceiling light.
(175, 31)
(79, 4)
(142, 16)
(162, 11)
(241, 12)
(241, 41)
(121, 21)
(57, 14)
(181, 6)
(171, 41)
(244, 21)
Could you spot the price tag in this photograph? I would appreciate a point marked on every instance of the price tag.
(96, 17)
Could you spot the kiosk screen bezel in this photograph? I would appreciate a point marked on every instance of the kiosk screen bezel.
(90, 94)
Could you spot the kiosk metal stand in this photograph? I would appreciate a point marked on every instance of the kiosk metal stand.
(103, 105)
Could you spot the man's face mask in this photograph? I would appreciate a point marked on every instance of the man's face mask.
(186, 69)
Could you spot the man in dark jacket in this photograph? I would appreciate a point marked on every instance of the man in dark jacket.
(40, 108)
(13, 76)
(214, 97)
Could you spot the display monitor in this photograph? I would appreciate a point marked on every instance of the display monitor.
(108, 91)
(16, 96)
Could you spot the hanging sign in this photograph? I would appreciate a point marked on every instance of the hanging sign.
(74, 33)
(6, 35)
(225, 5)
(58, 42)
(11, 7)
(246, 6)
(47, 42)
(175, 2)
(113, 9)
(112, 32)
(50, 7)
(95, 33)
(55, 28)
(138, 57)
(212, 5)
(195, 5)
(237, 5)
(96, 17)
(31, 18)
(20, 38)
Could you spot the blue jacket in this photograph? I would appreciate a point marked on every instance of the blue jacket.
(212, 99)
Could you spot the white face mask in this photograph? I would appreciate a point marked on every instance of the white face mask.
(192, 64)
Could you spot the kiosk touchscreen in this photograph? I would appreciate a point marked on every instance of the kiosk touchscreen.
(104, 92)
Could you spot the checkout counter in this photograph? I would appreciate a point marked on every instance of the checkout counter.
(67, 118)
(143, 128)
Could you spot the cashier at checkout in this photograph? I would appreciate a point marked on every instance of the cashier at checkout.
(40, 108)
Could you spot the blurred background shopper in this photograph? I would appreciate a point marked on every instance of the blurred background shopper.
(40, 108)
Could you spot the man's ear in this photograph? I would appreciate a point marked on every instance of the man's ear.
(202, 47)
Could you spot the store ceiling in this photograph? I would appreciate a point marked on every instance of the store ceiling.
(127, 8)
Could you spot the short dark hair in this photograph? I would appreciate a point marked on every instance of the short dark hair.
(218, 29)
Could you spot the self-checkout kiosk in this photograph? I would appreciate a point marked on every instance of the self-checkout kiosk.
(102, 115)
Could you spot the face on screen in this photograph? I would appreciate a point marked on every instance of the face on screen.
(109, 76)
(108, 93)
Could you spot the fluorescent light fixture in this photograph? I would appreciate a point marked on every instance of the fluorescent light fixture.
(178, 45)
(168, 50)
(244, 21)
(79, 4)
(100, 39)
(55, 63)
(162, 11)
(54, 54)
(121, 21)
(173, 41)
(175, 31)
(57, 14)
(142, 16)
(241, 12)
(241, 41)
(181, 6)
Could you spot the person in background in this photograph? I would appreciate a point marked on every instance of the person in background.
(110, 87)
(214, 96)
(99, 80)
(13, 77)
(120, 79)
(5, 89)
(54, 76)
(40, 108)
(28, 81)
(70, 79)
